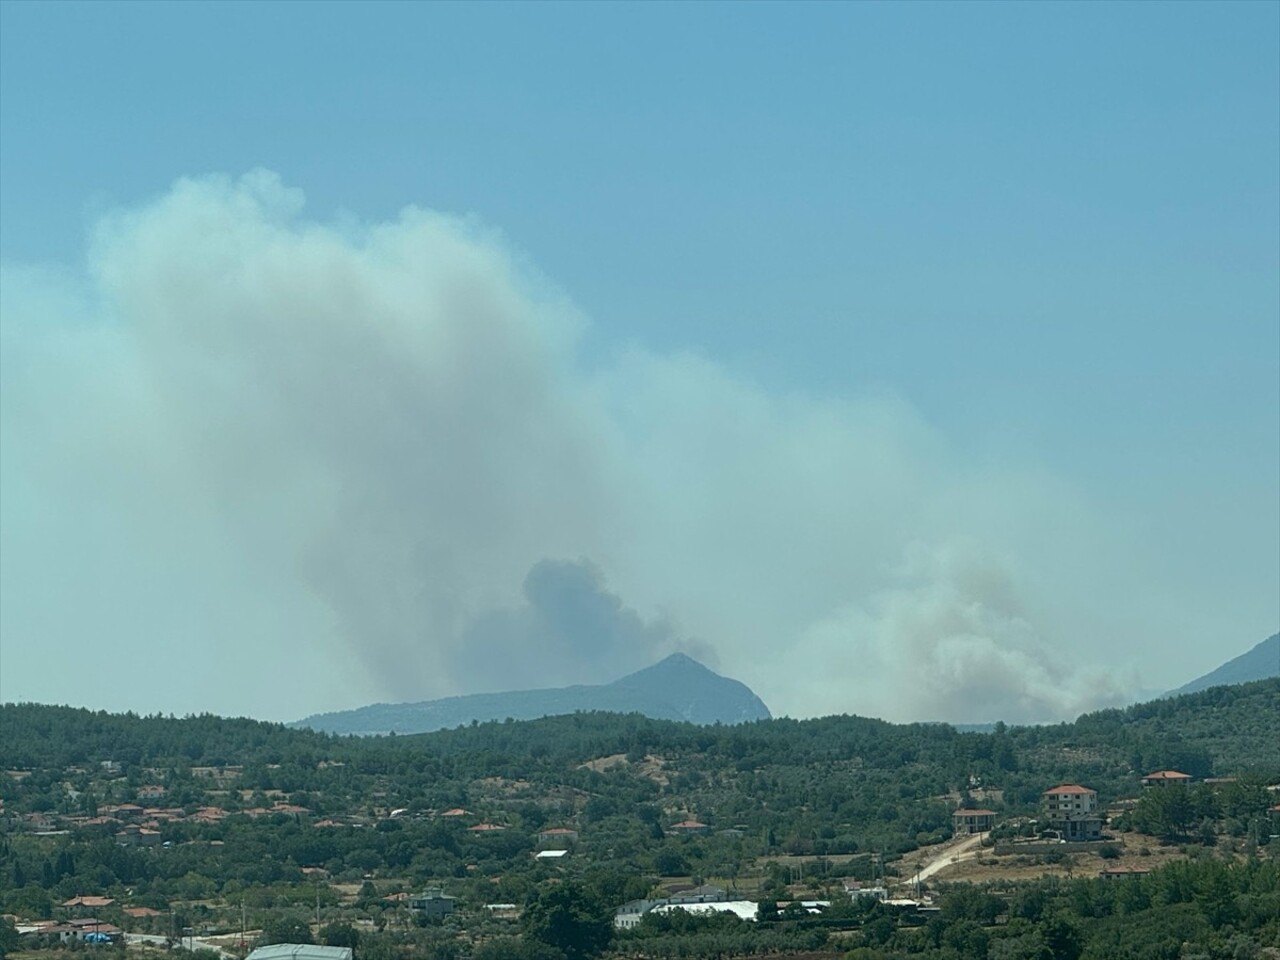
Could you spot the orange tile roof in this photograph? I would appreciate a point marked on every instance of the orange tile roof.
(1070, 788)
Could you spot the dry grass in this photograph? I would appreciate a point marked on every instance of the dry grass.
(1137, 851)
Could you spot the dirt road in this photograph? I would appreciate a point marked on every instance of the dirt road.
(938, 859)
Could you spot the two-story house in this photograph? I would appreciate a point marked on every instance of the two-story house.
(1072, 810)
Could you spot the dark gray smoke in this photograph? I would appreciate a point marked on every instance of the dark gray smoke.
(569, 627)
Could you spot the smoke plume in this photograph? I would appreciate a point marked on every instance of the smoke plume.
(293, 466)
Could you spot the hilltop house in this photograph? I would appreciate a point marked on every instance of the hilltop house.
(1072, 811)
(1163, 778)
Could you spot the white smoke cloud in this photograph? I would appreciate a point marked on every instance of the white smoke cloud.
(370, 458)
(952, 640)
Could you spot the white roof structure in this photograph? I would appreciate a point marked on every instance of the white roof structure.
(300, 951)
(744, 909)
(550, 854)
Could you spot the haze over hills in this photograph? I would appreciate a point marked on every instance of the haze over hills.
(1260, 663)
(676, 688)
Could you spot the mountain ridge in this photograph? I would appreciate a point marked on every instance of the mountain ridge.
(1260, 663)
(675, 688)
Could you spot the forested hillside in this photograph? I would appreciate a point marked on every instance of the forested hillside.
(173, 813)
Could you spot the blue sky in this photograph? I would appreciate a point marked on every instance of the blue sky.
(1046, 237)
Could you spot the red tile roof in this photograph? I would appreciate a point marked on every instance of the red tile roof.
(1167, 775)
(1070, 788)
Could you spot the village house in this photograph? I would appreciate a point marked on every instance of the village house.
(629, 914)
(973, 821)
(558, 836)
(135, 836)
(220, 774)
(152, 791)
(1072, 812)
(856, 889)
(88, 929)
(88, 903)
(1163, 778)
(689, 828)
(432, 902)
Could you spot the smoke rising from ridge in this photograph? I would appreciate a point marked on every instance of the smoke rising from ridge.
(374, 453)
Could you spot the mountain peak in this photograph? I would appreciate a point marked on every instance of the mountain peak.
(677, 661)
(677, 687)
